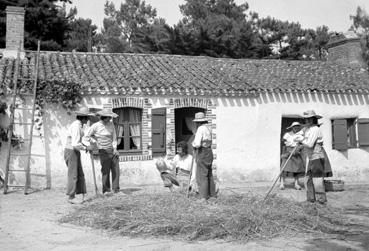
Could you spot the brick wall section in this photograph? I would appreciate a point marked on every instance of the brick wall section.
(145, 105)
(171, 104)
(347, 53)
(14, 27)
(171, 148)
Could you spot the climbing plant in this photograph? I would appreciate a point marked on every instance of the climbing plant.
(67, 94)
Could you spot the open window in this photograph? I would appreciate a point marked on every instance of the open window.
(129, 127)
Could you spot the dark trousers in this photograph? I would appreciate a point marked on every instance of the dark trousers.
(315, 189)
(76, 177)
(109, 163)
(204, 172)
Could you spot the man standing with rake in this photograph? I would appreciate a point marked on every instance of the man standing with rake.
(204, 157)
(316, 160)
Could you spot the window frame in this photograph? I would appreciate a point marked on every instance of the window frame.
(361, 124)
(351, 133)
(125, 125)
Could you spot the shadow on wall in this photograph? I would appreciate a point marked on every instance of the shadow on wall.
(330, 98)
(294, 97)
(56, 121)
(343, 153)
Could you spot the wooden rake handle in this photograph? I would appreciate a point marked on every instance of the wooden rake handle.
(189, 179)
(280, 173)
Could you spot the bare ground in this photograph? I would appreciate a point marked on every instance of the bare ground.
(30, 222)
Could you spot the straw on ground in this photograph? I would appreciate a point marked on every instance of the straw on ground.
(232, 217)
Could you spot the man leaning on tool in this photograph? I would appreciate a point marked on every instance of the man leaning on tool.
(72, 156)
(103, 132)
(204, 157)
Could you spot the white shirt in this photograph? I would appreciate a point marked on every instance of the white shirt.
(74, 136)
(203, 137)
(311, 135)
(290, 138)
(104, 134)
(183, 162)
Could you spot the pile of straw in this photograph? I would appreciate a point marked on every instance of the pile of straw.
(233, 217)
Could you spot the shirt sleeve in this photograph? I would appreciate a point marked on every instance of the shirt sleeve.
(311, 137)
(174, 161)
(198, 137)
(189, 162)
(115, 142)
(76, 136)
(89, 136)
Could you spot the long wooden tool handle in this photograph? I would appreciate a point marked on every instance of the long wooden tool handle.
(289, 157)
(189, 179)
(93, 173)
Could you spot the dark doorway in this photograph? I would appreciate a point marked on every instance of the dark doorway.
(286, 122)
(184, 126)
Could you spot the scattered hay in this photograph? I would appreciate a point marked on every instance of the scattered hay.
(232, 217)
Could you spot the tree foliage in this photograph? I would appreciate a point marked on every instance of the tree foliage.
(361, 27)
(45, 20)
(217, 28)
(130, 27)
(81, 36)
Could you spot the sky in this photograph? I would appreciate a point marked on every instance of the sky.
(309, 13)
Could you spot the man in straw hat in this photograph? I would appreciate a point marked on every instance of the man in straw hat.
(315, 157)
(295, 165)
(204, 157)
(72, 156)
(103, 133)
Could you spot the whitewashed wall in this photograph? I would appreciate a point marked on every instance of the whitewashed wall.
(248, 132)
(248, 139)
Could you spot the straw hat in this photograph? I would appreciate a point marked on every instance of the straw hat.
(200, 117)
(107, 113)
(293, 124)
(311, 114)
(83, 111)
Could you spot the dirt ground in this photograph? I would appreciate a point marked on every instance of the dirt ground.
(30, 222)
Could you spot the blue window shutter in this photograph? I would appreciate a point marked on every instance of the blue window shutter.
(158, 127)
(363, 131)
(339, 133)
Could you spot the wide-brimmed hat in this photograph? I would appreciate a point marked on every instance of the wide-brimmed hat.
(293, 124)
(200, 117)
(83, 111)
(107, 113)
(311, 114)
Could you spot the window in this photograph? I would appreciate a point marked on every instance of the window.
(158, 127)
(128, 127)
(344, 134)
(363, 132)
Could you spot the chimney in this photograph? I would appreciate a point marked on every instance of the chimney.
(14, 31)
(345, 48)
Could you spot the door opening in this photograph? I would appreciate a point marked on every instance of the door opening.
(184, 125)
(286, 122)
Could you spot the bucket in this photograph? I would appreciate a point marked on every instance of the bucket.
(334, 185)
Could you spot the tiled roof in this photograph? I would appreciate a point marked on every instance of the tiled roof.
(156, 74)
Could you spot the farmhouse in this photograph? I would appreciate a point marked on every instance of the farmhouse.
(248, 102)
